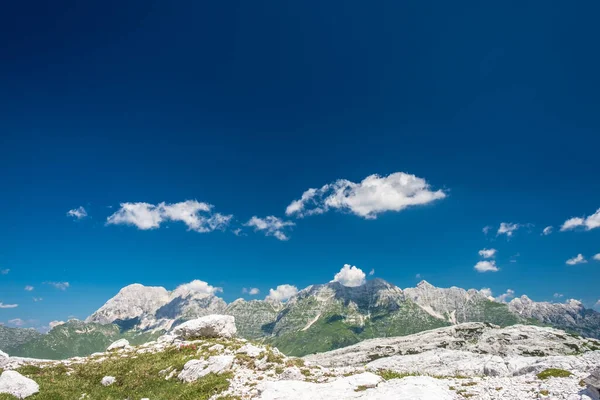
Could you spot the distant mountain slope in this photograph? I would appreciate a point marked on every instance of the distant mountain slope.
(76, 338)
(319, 318)
(14, 337)
(571, 316)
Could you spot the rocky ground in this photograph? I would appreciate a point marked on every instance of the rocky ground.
(202, 359)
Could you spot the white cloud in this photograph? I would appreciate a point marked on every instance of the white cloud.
(17, 322)
(196, 215)
(486, 229)
(503, 298)
(36, 299)
(507, 228)
(372, 272)
(238, 232)
(579, 259)
(197, 287)
(4, 271)
(418, 276)
(2, 305)
(487, 253)
(59, 285)
(373, 195)
(350, 276)
(547, 230)
(282, 293)
(487, 292)
(53, 324)
(596, 257)
(29, 288)
(588, 223)
(251, 291)
(271, 225)
(77, 213)
(486, 266)
(557, 295)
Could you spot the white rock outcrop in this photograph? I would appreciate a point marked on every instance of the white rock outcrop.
(119, 344)
(195, 369)
(251, 350)
(361, 386)
(13, 383)
(210, 326)
(108, 380)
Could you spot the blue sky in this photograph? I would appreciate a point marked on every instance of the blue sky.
(243, 106)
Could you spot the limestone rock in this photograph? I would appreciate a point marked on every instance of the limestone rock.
(210, 326)
(119, 344)
(15, 384)
(108, 380)
(195, 369)
(251, 350)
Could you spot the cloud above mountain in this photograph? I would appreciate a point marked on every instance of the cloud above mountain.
(588, 223)
(251, 291)
(486, 266)
(505, 297)
(271, 226)
(350, 276)
(281, 293)
(195, 287)
(197, 216)
(373, 195)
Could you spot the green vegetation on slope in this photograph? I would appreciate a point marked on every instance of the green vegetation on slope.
(14, 337)
(136, 378)
(335, 330)
(77, 338)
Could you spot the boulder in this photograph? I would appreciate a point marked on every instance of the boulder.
(108, 380)
(15, 384)
(593, 384)
(196, 369)
(210, 326)
(251, 350)
(119, 344)
(3, 359)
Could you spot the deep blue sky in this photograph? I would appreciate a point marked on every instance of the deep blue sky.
(245, 105)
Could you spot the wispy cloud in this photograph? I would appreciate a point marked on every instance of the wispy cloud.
(588, 223)
(17, 322)
(507, 228)
(487, 253)
(486, 229)
(373, 195)
(505, 297)
(558, 295)
(2, 305)
(486, 266)
(271, 226)
(372, 272)
(251, 291)
(36, 299)
(4, 271)
(350, 276)
(281, 293)
(578, 259)
(77, 213)
(547, 230)
(196, 215)
(58, 285)
(29, 288)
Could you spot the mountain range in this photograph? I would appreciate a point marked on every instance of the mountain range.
(317, 319)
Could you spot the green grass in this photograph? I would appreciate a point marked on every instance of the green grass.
(553, 373)
(136, 378)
